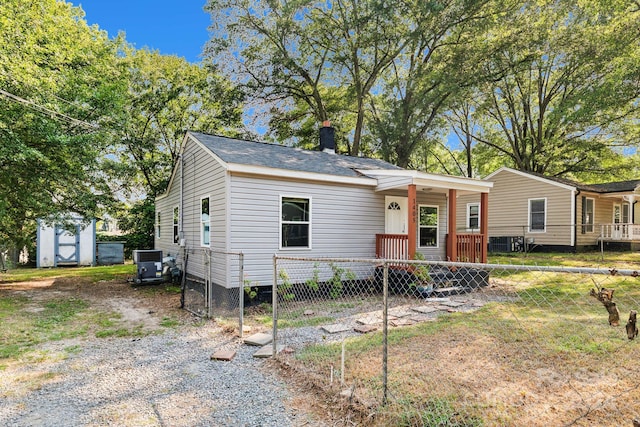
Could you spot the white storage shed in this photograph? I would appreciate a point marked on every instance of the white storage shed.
(73, 243)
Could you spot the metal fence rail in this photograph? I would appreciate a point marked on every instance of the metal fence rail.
(441, 343)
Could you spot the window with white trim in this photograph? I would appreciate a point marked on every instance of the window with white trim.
(473, 216)
(295, 222)
(205, 222)
(158, 225)
(588, 209)
(428, 226)
(176, 228)
(537, 215)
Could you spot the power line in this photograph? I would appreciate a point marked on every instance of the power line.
(52, 113)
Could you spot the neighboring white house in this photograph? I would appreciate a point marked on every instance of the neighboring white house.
(230, 195)
(73, 243)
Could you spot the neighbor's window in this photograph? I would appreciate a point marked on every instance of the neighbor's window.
(537, 214)
(204, 222)
(295, 223)
(428, 227)
(473, 216)
(587, 215)
(158, 225)
(176, 231)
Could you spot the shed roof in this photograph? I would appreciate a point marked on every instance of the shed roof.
(237, 151)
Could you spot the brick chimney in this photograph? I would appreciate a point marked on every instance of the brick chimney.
(327, 138)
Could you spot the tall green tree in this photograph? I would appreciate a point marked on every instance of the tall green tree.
(60, 79)
(167, 96)
(573, 85)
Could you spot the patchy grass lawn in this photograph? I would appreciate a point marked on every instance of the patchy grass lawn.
(40, 306)
(546, 356)
(91, 274)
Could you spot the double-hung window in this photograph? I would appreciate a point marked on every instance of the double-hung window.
(295, 222)
(158, 225)
(473, 216)
(428, 226)
(587, 214)
(537, 215)
(205, 223)
(176, 228)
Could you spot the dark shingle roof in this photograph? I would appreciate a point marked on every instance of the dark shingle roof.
(282, 157)
(607, 187)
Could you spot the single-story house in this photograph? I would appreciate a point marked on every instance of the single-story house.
(69, 242)
(260, 199)
(554, 214)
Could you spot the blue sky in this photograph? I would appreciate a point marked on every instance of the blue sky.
(177, 27)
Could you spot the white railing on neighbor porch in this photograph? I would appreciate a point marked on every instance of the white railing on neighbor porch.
(628, 232)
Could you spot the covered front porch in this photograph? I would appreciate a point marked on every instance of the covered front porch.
(423, 223)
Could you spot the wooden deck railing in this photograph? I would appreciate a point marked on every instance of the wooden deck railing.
(471, 247)
(619, 232)
(392, 246)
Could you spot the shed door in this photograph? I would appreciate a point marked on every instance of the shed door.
(395, 215)
(67, 245)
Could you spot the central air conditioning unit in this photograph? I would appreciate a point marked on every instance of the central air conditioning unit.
(149, 265)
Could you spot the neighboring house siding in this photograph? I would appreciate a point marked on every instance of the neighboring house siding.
(509, 209)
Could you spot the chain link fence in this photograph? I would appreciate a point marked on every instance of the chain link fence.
(213, 284)
(432, 343)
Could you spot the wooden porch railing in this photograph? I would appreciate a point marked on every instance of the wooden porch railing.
(618, 232)
(471, 247)
(392, 246)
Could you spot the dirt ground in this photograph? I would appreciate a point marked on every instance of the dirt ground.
(145, 306)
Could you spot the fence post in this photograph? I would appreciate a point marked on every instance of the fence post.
(274, 305)
(385, 341)
(241, 292)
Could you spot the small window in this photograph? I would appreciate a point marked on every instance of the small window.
(295, 222)
(428, 227)
(587, 215)
(473, 216)
(537, 215)
(158, 235)
(176, 218)
(205, 237)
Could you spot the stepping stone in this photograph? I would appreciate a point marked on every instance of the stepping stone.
(308, 312)
(402, 322)
(335, 328)
(258, 339)
(437, 299)
(399, 312)
(419, 318)
(246, 328)
(425, 309)
(369, 320)
(365, 329)
(225, 355)
(453, 304)
(267, 351)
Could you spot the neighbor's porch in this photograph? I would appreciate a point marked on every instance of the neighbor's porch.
(464, 247)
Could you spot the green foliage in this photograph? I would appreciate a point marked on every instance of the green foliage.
(436, 411)
(137, 225)
(63, 80)
(285, 286)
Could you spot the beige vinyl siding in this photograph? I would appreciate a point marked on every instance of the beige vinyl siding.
(509, 208)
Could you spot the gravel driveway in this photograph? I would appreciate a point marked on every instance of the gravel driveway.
(163, 379)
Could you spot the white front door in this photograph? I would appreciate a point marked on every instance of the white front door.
(395, 215)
